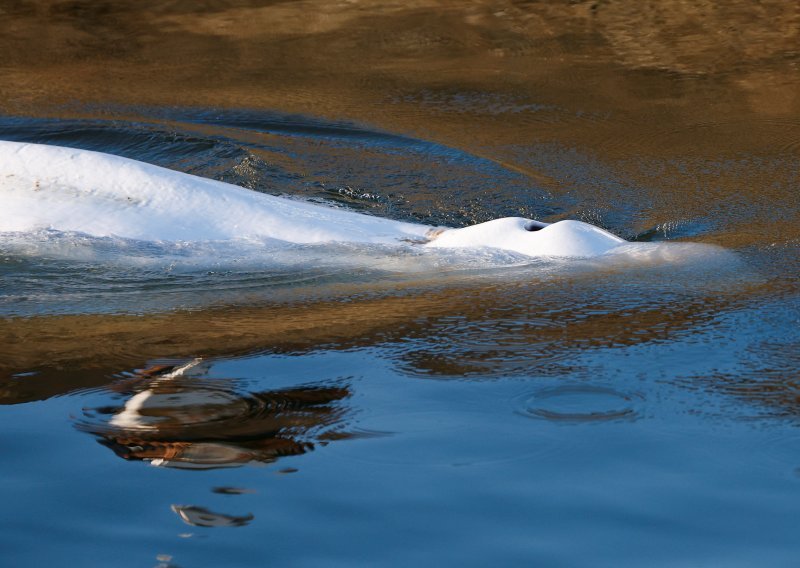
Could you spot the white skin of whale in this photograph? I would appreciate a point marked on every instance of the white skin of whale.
(64, 189)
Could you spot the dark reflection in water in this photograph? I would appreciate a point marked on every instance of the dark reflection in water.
(232, 490)
(173, 418)
(202, 517)
(767, 375)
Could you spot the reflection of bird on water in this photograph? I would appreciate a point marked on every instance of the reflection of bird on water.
(177, 420)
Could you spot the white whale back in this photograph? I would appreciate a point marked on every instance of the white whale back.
(103, 195)
(565, 238)
(51, 187)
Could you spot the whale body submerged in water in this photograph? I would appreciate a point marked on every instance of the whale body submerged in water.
(65, 189)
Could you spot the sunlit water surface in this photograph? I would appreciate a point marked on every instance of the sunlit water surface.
(258, 403)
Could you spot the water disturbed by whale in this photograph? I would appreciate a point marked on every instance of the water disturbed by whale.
(71, 191)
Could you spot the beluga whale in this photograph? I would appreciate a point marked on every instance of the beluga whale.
(44, 187)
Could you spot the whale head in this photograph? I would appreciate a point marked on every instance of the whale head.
(531, 238)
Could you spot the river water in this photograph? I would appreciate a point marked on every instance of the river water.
(207, 404)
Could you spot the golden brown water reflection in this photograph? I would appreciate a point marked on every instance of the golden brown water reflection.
(615, 76)
(71, 352)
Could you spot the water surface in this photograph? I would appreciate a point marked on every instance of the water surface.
(205, 404)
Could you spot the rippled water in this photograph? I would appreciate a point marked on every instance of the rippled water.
(206, 404)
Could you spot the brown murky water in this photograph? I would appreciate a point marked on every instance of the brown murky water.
(597, 407)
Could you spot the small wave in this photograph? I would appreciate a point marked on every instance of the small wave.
(581, 404)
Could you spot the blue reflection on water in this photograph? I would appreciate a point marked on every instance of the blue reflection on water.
(435, 461)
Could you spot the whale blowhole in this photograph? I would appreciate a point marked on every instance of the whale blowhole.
(532, 226)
